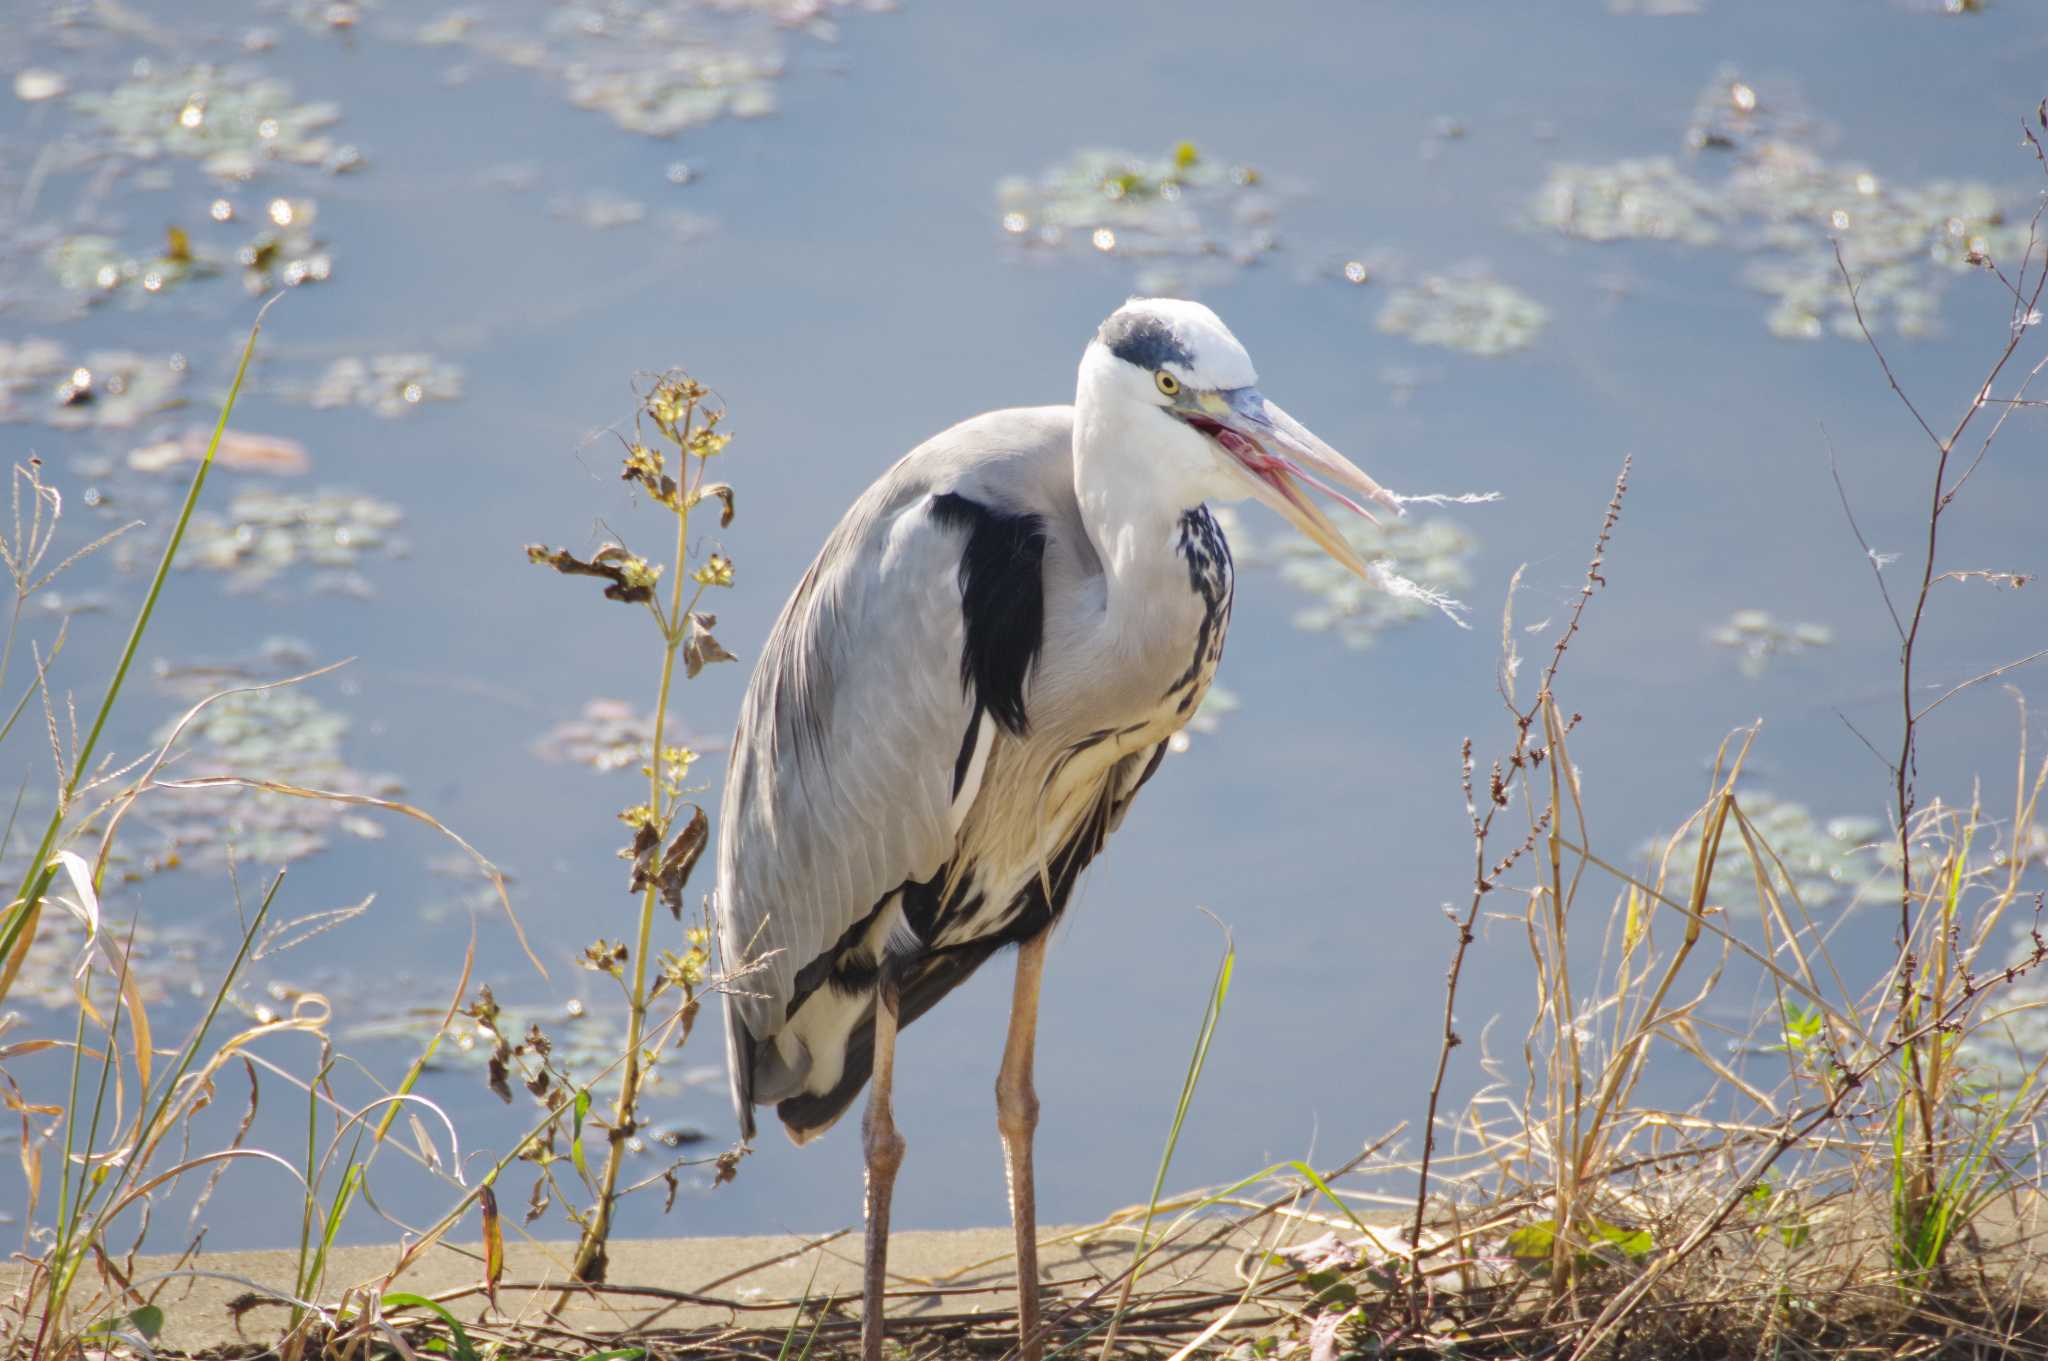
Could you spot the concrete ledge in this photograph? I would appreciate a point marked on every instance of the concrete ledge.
(751, 1282)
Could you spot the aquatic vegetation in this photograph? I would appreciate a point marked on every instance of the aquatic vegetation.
(232, 121)
(388, 384)
(1186, 219)
(1636, 199)
(1433, 554)
(274, 659)
(1759, 636)
(1789, 207)
(611, 734)
(599, 209)
(654, 67)
(238, 449)
(1468, 311)
(316, 538)
(1897, 240)
(285, 251)
(282, 735)
(181, 961)
(102, 389)
(97, 266)
(1734, 112)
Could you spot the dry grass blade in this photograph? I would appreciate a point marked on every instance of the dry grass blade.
(483, 863)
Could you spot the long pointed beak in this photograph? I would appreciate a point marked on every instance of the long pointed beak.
(1275, 450)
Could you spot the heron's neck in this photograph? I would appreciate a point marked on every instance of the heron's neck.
(1132, 504)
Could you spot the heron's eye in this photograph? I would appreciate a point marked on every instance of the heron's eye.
(1168, 384)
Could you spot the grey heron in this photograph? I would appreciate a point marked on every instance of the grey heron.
(958, 704)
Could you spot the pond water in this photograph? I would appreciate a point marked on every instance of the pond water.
(1477, 247)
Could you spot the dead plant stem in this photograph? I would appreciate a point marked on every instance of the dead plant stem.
(590, 1251)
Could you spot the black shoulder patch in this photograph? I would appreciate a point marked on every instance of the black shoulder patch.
(1002, 599)
(965, 759)
(1145, 341)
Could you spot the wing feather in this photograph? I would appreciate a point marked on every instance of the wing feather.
(841, 782)
(874, 682)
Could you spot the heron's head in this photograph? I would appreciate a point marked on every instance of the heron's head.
(1188, 399)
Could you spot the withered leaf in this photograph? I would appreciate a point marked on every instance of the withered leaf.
(632, 580)
(537, 1203)
(494, 1241)
(670, 1203)
(723, 491)
(682, 857)
(646, 843)
(728, 1166)
(700, 648)
(498, 1079)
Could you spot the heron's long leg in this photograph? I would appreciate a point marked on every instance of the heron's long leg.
(884, 1147)
(1017, 1118)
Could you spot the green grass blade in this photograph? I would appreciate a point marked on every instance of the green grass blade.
(36, 880)
(1211, 1016)
(458, 1335)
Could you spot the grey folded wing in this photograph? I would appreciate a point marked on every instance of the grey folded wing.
(843, 767)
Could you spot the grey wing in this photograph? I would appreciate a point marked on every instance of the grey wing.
(841, 785)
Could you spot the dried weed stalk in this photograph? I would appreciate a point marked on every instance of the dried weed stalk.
(670, 830)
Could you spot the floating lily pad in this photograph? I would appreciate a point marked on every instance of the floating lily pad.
(319, 537)
(324, 17)
(97, 267)
(1185, 218)
(1469, 311)
(286, 251)
(1758, 187)
(238, 449)
(234, 122)
(1735, 112)
(165, 962)
(284, 735)
(388, 384)
(108, 389)
(583, 1037)
(611, 734)
(1646, 199)
(1829, 861)
(655, 67)
(1760, 636)
(274, 659)
(599, 210)
(92, 268)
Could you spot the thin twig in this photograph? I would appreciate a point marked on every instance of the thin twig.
(1486, 876)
